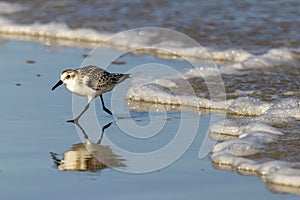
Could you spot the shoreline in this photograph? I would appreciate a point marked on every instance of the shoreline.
(34, 125)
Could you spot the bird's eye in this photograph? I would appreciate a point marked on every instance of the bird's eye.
(68, 76)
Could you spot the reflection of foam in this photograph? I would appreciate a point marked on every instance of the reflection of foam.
(278, 176)
(285, 180)
(283, 189)
(89, 157)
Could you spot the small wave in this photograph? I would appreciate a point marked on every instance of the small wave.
(8, 8)
(258, 146)
(52, 30)
(148, 40)
(155, 92)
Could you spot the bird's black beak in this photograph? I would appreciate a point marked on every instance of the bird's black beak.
(57, 84)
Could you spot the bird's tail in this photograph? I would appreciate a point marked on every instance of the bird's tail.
(118, 78)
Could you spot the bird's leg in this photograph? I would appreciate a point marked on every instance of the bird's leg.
(103, 106)
(102, 132)
(77, 118)
(82, 130)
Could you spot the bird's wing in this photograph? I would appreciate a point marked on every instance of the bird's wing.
(98, 80)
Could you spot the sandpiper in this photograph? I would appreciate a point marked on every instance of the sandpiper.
(91, 82)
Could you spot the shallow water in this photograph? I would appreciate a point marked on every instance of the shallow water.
(34, 125)
(244, 84)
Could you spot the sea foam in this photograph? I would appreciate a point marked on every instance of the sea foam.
(252, 137)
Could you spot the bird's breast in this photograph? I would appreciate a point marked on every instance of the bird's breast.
(81, 90)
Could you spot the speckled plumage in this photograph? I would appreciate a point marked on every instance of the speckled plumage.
(99, 79)
(93, 78)
(90, 81)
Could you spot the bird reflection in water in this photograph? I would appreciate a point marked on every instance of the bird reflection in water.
(88, 156)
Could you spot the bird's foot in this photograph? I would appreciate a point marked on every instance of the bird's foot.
(74, 121)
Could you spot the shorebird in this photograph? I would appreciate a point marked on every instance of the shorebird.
(91, 82)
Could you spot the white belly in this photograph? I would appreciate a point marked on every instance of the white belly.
(82, 90)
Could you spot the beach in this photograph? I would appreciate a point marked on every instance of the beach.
(34, 125)
(211, 108)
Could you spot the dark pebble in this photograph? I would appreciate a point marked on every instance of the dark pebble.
(118, 62)
(30, 61)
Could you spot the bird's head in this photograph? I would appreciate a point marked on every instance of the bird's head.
(66, 77)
